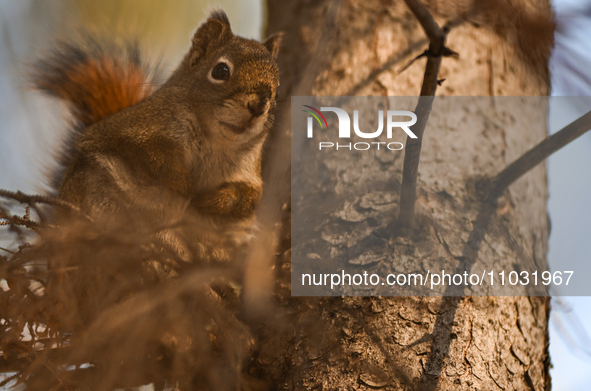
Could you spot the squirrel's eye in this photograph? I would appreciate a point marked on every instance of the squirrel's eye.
(221, 71)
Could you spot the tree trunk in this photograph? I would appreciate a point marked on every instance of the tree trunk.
(462, 343)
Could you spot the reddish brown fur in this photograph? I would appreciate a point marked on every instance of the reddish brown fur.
(98, 79)
(100, 88)
(110, 88)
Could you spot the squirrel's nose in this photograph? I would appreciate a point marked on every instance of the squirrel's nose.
(258, 106)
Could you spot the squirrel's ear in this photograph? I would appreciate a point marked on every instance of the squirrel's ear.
(220, 16)
(215, 29)
(272, 44)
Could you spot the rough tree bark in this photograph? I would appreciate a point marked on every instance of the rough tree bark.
(357, 47)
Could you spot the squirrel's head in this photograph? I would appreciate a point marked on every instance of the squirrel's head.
(230, 81)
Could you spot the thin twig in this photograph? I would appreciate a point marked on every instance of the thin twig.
(8, 379)
(538, 154)
(437, 49)
(7, 250)
(32, 200)
(20, 221)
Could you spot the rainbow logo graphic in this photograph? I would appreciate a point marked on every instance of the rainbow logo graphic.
(316, 116)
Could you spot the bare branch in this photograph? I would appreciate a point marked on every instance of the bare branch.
(437, 49)
(537, 154)
(423, 15)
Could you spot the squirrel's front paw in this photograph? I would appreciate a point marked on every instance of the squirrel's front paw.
(235, 199)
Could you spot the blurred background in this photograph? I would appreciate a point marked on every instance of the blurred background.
(30, 124)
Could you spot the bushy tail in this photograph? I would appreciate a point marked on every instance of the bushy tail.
(96, 77)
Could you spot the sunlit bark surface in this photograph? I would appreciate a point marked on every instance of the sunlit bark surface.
(460, 343)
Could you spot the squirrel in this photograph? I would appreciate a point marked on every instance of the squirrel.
(185, 154)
